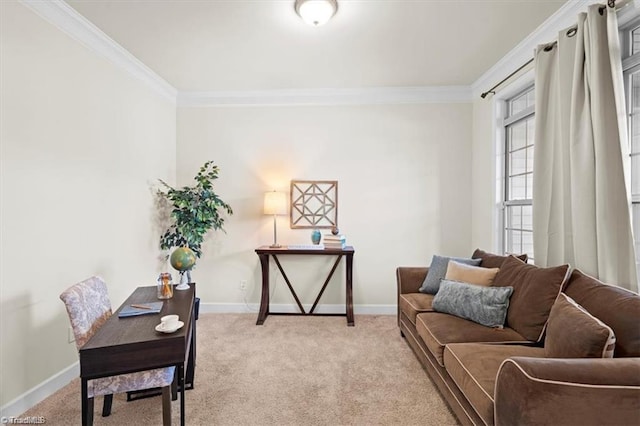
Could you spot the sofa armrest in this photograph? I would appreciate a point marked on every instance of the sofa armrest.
(410, 279)
(589, 391)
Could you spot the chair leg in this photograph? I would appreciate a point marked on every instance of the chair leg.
(106, 405)
(174, 387)
(166, 406)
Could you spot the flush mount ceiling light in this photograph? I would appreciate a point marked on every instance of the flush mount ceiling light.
(316, 12)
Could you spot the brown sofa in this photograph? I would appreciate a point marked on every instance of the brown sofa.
(503, 376)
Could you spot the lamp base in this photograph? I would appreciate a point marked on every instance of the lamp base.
(275, 246)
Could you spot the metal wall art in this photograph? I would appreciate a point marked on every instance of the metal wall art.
(314, 203)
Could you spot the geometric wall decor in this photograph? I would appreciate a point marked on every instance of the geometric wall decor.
(314, 203)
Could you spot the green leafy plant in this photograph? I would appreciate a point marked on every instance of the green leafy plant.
(195, 211)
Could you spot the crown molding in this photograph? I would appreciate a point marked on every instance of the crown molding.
(72, 23)
(564, 17)
(310, 97)
(68, 20)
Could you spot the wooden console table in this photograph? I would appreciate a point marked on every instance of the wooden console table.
(265, 251)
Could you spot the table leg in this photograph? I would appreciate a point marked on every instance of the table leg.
(286, 279)
(349, 285)
(85, 402)
(264, 301)
(191, 362)
(324, 286)
(166, 406)
(181, 388)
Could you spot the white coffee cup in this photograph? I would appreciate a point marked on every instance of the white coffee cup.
(169, 322)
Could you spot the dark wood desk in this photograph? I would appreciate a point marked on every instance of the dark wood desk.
(126, 345)
(265, 251)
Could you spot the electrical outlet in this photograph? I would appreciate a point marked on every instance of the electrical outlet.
(243, 285)
(70, 336)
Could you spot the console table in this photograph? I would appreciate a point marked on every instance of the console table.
(265, 252)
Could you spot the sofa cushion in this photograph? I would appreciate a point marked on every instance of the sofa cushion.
(438, 330)
(572, 332)
(620, 310)
(534, 292)
(470, 274)
(438, 269)
(474, 368)
(490, 260)
(411, 304)
(484, 305)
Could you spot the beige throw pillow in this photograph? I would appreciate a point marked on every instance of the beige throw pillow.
(470, 274)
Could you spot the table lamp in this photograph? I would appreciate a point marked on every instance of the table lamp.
(275, 203)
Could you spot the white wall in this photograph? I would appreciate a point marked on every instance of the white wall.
(483, 176)
(404, 194)
(81, 142)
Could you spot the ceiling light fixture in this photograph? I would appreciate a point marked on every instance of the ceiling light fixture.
(316, 12)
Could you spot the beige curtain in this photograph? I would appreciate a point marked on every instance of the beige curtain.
(581, 207)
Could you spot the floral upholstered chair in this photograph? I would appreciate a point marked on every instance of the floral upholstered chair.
(89, 308)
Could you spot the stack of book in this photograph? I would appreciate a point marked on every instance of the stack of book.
(331, 241)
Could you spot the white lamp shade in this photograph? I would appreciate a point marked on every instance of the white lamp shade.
(316, 12)
(275, 203)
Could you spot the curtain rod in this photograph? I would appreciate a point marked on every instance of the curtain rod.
(492, 90)
(610, 3)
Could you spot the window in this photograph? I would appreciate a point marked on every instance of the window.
(516, 177)
(519, 126)
(630, 43)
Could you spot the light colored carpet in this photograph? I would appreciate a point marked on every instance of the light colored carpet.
(290, 371)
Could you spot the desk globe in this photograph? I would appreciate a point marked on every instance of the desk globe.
(182, 259)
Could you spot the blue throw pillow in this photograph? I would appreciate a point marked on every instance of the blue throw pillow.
(484, 305)
(438, 270)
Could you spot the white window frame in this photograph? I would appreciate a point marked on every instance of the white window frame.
(630, 65)
(507, 201)
(519, 85)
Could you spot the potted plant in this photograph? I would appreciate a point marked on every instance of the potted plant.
(195, 211)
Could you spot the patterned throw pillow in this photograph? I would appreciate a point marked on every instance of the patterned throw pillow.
(572, 332)
(484, 305)
(438, 270)
(470, 274)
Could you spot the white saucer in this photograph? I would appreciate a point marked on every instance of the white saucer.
(171, 330)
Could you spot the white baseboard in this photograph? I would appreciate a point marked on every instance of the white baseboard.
(38, 393)
(321, 309)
